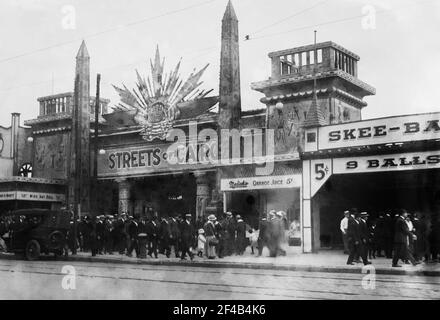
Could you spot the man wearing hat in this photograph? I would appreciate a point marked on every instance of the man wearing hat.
(344, 226)
(401, 238)
(354, 238)
(365, 248)
(241, 236)
(230, 230)
(262, 235)
(186, 237)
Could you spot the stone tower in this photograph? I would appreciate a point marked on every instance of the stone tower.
(230, 97)
(294, 102)
(79, 177)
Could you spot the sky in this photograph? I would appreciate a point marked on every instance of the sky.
(398, 45)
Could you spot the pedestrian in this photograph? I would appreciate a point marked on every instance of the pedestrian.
(174, 235)
(152, 235)
(262, 235)
(253, 240)
(186, 236)
(344, 227)
(93, 238)
(142, 238)
(388, 235)
(355, 239)
(230, 234)
(108, 235)
(401, 240)
(241, 236)
(164, 237)
(211, 239)
(201, 243)
(133, 231)
(100, 229)
(364, 246)
(220, 234)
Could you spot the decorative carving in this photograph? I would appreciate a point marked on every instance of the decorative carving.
(161, 101)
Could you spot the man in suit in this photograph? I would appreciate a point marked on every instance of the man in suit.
(230, 230)
(165, 234)
(152, 236)
(174, 235)
(133, 235)
(186, 237)
(354, 238)
(241, 236)
(364, 232)
(262, 236)
(401, 240)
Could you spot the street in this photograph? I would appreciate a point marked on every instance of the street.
(44, 280)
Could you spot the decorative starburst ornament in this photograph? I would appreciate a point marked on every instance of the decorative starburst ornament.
(160, 102)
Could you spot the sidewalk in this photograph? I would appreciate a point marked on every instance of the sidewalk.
(324, 261)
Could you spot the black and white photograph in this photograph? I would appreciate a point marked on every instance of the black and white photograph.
(221, 151)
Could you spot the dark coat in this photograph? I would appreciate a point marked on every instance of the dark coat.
(133, 229)
(165, 230)
(241, 229)
(186, 232)
(263, 230)
(401, 231)
(209, 229)
(364, 232)
(353, 232)
(152, 230)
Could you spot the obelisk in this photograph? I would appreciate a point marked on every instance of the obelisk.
(230, 96)
(79, 177)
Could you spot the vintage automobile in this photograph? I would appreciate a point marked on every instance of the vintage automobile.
(38, 231)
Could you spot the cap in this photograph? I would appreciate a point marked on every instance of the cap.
(346, 212)
(229, 213)
(188, 215)
(212, 218)
(364, 214)
(238, 216)
(201, 231)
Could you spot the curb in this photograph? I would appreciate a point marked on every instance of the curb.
(246, 265)
(257, 266)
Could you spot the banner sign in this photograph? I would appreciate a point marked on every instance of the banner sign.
(260, 183)
(32, 196)
(392, 162)
(144, 160)
(377, 131)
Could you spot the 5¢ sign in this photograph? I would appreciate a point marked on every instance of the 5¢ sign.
(320, 171)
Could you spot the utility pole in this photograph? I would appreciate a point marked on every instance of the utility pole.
(95, 145)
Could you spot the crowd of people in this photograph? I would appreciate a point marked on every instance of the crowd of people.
(410, 238)
(178, 235)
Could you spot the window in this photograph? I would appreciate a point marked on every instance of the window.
(25, 170)
(303, 58)
(319, 56)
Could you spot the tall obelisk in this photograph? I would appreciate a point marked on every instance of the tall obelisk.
(230, 96)
(79, 182)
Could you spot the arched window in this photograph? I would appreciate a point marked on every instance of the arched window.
(25, 170)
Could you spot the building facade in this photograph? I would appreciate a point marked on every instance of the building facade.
(301, 153)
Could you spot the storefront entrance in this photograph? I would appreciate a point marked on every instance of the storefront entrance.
(164, 195)
(376, 193)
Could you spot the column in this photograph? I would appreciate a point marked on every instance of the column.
(306, 210)
(124, 196)
(202, 197)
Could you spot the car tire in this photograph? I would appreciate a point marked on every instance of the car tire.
(33, 250)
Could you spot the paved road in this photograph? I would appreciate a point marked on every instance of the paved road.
(43, 280)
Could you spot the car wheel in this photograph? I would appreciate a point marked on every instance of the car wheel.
(32, 250)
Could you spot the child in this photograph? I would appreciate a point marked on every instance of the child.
(201, 241)
(253, 239)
